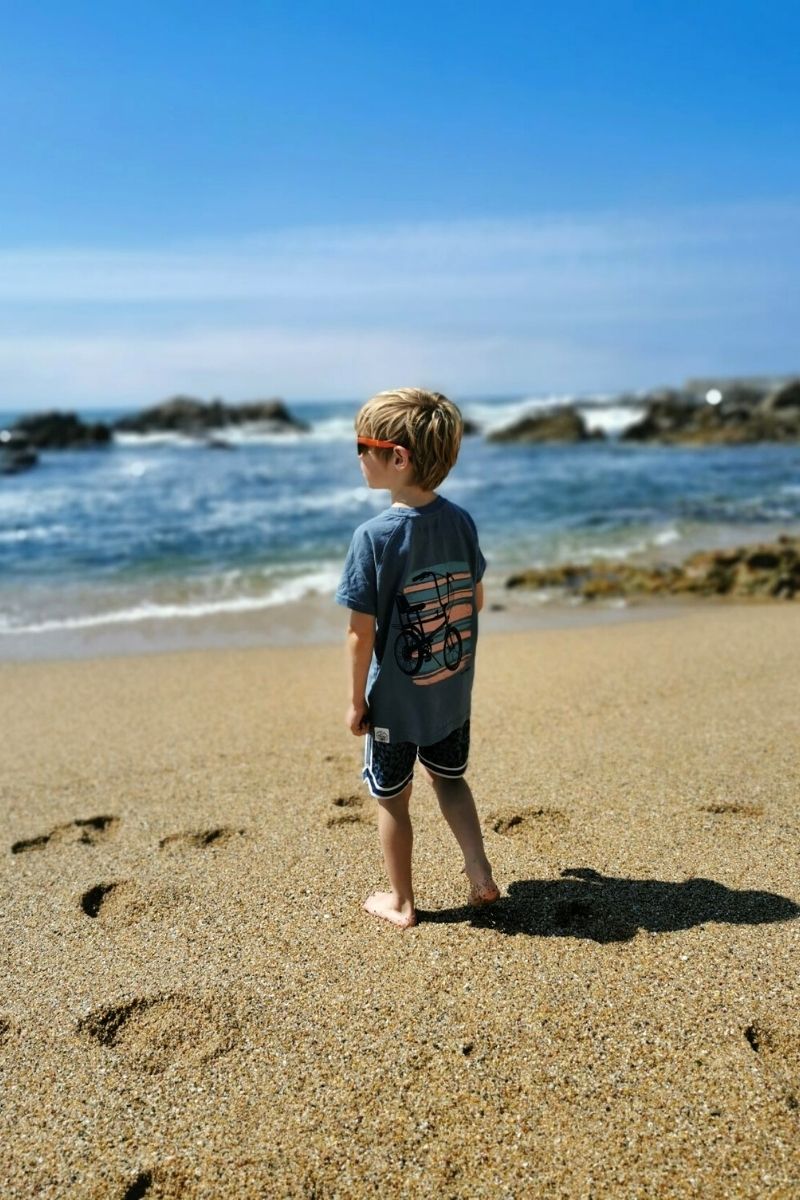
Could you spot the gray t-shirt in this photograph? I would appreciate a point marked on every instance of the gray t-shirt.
(415, 570)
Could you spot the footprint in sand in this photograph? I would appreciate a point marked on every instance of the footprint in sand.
(199, 840)
(157, 1183)
(349, 811)
(152, 1034)
(119, 902)
(778, 1049)
(742, 810)
(7, 1031)
(85, 832)
(141, 1185)
(523, 820)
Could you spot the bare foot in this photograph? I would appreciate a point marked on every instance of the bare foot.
(381, 904)
(482, 889)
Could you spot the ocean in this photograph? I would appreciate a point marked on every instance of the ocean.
(160, 529)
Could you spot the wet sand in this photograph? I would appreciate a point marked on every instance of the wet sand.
(194, 1004)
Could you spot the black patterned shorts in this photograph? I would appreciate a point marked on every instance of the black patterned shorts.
(388, 769)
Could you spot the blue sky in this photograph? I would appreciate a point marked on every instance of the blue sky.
(323, 200)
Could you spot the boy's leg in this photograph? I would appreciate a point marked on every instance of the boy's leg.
(396, 837)
(458, 809)
(445, 763)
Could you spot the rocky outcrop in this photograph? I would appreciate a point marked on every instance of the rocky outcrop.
(16, 453)
(196, 418)
(770, 570)
(740, 413)
(562, 424)
(61, 431)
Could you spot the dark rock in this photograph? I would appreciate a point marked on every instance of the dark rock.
(562, 424)
(185, 414)
(16, 453)
(744, 414)
(470, 427)
(668, 410)
(273, 411)
(61, 431)
(768, 570)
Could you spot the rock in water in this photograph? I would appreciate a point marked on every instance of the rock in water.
(562, 424)
(743, 414)
(61, 431)
(195, 418)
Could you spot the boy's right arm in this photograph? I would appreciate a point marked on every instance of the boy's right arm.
(360, 643)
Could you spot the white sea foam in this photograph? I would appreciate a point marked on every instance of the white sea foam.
(579, 548)
(498, 415)
(34, 533)
(667, 536)
(334, 429)
(162, 437)
(136, 468)
(320, 581)
(253, 433)
(342, 500)
(640, 545)
(610, 420)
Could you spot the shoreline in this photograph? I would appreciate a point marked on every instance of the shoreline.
(314, 619)
(318, 621)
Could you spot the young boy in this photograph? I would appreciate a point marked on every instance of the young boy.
(412, 582)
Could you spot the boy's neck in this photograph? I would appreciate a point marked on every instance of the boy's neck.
(411, 497)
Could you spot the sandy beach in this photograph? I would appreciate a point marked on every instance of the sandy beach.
(194, 1004)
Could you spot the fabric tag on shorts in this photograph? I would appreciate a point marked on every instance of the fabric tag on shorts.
(380, 735)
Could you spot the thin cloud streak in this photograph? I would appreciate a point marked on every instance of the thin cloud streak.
(560, 304)
(369, 262)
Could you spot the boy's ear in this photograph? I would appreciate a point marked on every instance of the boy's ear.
(401, 457)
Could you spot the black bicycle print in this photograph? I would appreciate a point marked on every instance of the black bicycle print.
(414, 644)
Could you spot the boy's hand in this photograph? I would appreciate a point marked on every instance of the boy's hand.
(358, 719)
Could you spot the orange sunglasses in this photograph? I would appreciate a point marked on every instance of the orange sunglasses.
(362, 443)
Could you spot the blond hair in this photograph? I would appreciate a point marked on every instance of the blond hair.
(426, 423)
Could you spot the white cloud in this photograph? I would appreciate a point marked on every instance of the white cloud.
(562, 303)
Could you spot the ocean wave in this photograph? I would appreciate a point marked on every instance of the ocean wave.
(580, 547)
(609, 420)
(160, 438)
(339, 501)
(33, 534)
(234, 435)
(600, 412)
(321, 581)
(334, 429)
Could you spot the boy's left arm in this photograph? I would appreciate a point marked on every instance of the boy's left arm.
(478, 596)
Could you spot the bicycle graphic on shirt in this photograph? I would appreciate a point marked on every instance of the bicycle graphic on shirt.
(414, 643)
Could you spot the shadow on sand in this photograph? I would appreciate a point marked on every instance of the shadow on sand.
(602, 908)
